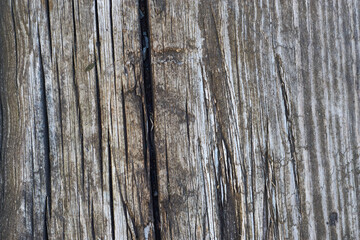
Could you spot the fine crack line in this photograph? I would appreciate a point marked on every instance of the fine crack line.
(291, 138)
(111, 188)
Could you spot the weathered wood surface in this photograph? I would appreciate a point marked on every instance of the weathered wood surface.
(257, 118)
(72, 156)
(246, 127)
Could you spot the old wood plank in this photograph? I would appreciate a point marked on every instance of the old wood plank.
(245, 127)
(256, 118)
(72, 159)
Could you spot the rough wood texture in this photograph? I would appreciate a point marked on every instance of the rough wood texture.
(257, 118)
(73, 162)
(241, 122)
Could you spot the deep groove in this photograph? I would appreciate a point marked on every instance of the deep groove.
(74, 25)
(97, 33)
(146, 64)
(111, 191)
(98, 107)
(15, 43)
(125, 128)
(46, 127)
(112, 36)
(46, 224)
(49, 25)
(92, 221)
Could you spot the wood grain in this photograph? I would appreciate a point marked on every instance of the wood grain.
(73, 159)
(256, 118)
(156, 119)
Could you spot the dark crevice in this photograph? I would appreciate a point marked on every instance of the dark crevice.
(98, 107)
(167, 167)
(74, 25)
(92, 221)
(125, 128)
(111, 190)
(15, 43)
(97, 33)
(265, 207)
(46, 127)
(112, 36)
(220, 204)
(146, 64)
(187, 121)
(49, 25)
(46, 225)
(90, 205)
(291, 138)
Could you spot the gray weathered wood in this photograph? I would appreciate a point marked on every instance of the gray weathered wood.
(72, 155)
(253, 118)
(257, 118)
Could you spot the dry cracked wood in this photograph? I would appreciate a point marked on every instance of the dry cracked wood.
(182, 119)
(257, 118)
(73, 162)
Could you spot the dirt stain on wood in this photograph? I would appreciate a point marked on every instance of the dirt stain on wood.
(89, 67)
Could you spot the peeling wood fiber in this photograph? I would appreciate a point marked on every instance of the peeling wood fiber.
(182, 119)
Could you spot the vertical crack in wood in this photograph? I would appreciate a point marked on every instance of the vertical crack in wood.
(97, 33)
(147, 75)
(187, 119)
(74, 26)
(111, 189)
(77, 104)
(49, 25)
(47, 163)
(270, 214)
(112, 37)
(130, 221)
(46, 220)
(97, 62)
(125, 128)
(291, 138)
(16, 47)
(98, 104)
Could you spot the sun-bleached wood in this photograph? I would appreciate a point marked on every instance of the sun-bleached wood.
(72, 159)
(257, 118)
(255, 122)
